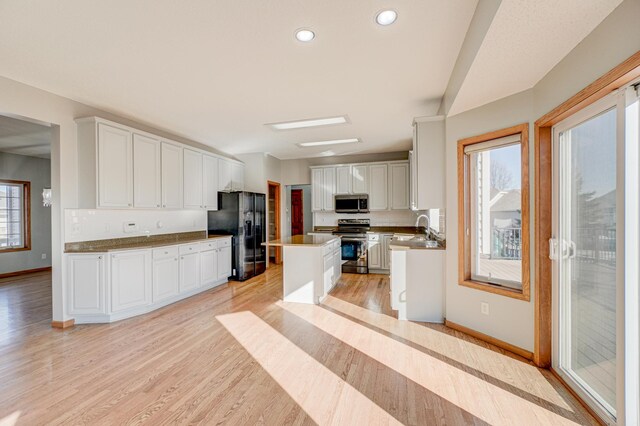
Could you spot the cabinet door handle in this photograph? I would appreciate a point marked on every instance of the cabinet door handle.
(166, 252)
(99, 257)
(181, 257)
(129, 204)
(164, 205)
(157, 205)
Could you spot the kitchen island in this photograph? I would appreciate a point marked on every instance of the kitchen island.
(311, 266)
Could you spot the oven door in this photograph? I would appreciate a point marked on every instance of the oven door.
(354, 255)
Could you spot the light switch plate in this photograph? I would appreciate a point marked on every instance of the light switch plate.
(484, 308)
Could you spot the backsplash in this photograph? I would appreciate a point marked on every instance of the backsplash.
(89, 225)
(385, 218)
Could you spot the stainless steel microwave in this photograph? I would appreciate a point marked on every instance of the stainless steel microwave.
(352, 203)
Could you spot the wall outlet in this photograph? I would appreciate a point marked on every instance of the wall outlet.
(484, 308)
(44, 255)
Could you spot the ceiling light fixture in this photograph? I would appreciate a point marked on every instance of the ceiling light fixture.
(386, 17)
(312, 122)
(305, 35)
(331, 142)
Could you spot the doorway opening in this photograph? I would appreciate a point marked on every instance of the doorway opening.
(25, 221)
(299, 209)
(275, 253)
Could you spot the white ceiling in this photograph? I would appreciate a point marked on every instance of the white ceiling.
(525, 41)
(217, 71)
(24, 138)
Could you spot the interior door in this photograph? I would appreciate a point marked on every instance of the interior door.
(586, 254)
(297, 212)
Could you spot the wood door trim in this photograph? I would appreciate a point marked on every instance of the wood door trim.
(276, 210)
(492, 340)
(622, 74)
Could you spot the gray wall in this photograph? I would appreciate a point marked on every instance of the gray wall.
(38, 172)
(613, 41)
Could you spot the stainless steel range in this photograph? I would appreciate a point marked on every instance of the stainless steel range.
(353, 233)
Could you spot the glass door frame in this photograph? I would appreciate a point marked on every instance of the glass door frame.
(614, 100)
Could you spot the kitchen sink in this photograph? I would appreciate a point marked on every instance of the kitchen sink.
(414, 241)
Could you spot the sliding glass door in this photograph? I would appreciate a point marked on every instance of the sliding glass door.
(587, 274)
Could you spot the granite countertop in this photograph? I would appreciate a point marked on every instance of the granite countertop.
(303, 240)
(142, 242)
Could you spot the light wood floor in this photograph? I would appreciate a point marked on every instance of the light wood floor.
(238, 355)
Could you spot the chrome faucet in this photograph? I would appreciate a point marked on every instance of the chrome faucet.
(428, 228)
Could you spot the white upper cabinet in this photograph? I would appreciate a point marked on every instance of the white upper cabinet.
(329, 183)
(428, 175)
(378, 187)
(115, 167)
(120, 167)
(210, 182)
(317, 190)
(343, 180)
(323, 187)
(230, 176)
(237, 177)
(225, 179)
(192, 179)
(146, 173)
(399, 186)
(171, 176)
(386, 183)
(360, 179)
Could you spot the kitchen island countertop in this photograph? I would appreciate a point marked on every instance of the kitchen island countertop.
(303, 240)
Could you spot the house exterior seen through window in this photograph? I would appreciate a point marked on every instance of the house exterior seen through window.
(14, 206)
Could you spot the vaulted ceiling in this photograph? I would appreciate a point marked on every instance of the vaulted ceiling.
(217, 71)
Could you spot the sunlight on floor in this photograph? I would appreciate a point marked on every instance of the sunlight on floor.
(10, 420)
(471, 355)
(484, 400)
(325, 397)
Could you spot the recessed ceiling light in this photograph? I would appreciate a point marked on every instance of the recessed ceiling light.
(312, 122)
(305, 35)
(386, 17)
(331, 142)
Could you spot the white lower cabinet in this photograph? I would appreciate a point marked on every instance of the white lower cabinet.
(209, 266)
(337, 262)
(329, 267)
(165, 274)
(189, 271)
(130, 279)
(105, 287)
(378, 255)
(374, 252)
(86, 278)
(224, 262)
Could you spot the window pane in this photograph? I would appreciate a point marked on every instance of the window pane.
(11, 215)
(496, 216)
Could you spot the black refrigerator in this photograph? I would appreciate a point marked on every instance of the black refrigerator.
(242, 215)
